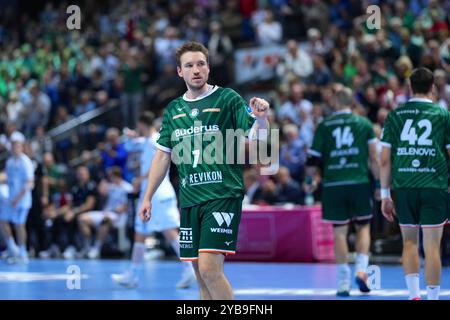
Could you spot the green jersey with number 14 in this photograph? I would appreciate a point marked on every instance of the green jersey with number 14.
(418, 134)
(341, 140)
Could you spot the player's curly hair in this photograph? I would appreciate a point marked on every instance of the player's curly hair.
(191, 46)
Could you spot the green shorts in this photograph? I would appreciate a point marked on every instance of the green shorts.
(421, 207)
(210, 227)
(342, 204)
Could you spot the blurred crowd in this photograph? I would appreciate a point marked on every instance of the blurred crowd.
(125, 53)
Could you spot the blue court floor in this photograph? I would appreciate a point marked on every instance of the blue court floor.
(53, 279)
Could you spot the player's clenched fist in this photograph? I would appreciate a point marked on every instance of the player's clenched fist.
(260, 107)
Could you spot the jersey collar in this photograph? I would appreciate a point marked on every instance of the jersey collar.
(343, 111)
(207, 93)
(420, 100)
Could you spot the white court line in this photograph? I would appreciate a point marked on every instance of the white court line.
(327, 292)
(35, 276)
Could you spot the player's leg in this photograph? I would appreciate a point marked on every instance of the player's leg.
(433, 217)
(219, 233)
(433, 265)
(130, 278)
(102, 234)
(362, 214)
(21, 234)
(5, 229)
(341, 255)
(411, 260)
(211, 272)
(85, 223)
(408, 214)
(204, 292)
(188, 275)
(19, 219)
(336, 210)
(362, 246)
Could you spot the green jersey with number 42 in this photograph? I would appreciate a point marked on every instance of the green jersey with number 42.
(341, 140)
(418, 134)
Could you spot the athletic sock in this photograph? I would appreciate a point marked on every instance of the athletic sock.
(413, 285)
(433, 292)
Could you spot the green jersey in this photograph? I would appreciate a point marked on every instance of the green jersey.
(203, 136)
(418, 134)
(342, 141)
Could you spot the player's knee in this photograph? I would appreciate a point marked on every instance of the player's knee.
(209, 273)
(106, 221)
(409, 245)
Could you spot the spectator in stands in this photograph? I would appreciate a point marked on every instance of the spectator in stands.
(64, 146)
(295, 64)
(15, 109)
(37, 108)
(113, 152)
(269, 32)
(131, 100)
(251, 184)
(231, 20)
(83, 199)
(220, 53)
(298, 111)
(320, 77)
(5, 138)
(316, 45)
(445, 55)
(293, 152)
(40, 144)
(288, 190)
(442, 89)
(86, 104)
(113, 214)
(266, 193)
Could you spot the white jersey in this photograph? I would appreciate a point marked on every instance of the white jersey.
(117, 195)
(165, 214)
(147, 147)
(19, 171)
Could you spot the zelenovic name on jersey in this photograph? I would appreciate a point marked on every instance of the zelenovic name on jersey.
(411, 151)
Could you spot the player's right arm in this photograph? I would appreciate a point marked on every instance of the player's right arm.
(158, 170)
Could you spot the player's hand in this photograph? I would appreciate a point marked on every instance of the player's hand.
(388, 209)
(260, 107)
(145, 211)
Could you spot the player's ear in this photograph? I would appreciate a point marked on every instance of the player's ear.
(180, 74)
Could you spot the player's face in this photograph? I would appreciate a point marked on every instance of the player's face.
(17, 148)
(194, 69)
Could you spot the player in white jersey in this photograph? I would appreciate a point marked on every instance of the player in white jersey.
(165, 218)
(113, 213)
(4, 199)
(20, 173)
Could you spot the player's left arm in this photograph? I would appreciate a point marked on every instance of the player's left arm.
(260, 109)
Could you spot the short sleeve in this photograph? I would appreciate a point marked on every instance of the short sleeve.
(164, 141)
(243, 117)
